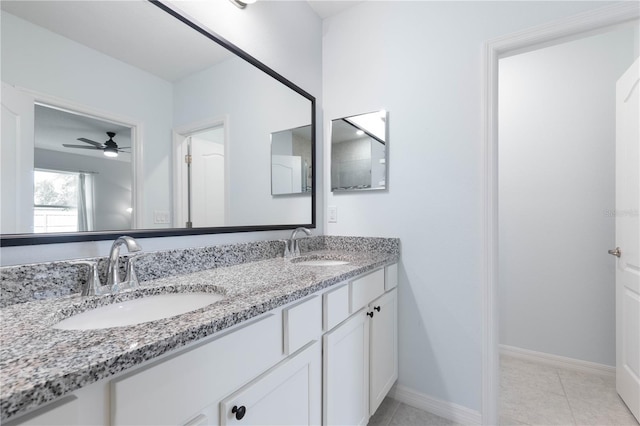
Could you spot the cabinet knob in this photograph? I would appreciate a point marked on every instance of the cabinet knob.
(239, 411)
(377, 308)
(370, 314)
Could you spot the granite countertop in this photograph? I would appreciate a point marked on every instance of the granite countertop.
(39, 363)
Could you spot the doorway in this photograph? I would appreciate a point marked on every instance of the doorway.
(572, 28)
(200, 191)
(557, 125)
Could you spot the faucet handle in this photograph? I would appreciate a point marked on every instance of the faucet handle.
(131, 278)
(287, 250)
(93, 286)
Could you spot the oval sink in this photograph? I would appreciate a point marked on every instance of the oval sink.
(321, 262)
(137, 311)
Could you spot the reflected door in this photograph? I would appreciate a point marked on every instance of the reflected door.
(17, 161)
(207, 183)
(203, 191)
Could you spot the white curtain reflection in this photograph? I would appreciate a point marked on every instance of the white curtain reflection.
(85, 202)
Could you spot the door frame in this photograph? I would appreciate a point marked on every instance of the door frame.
(180, 134)
(578, 26)
(137, 132)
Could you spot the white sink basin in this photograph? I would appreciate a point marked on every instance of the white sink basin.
(137, 311)
(322, 262)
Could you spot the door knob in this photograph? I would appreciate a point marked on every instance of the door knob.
(616, 252)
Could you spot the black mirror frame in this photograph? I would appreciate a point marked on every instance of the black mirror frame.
(11, 240)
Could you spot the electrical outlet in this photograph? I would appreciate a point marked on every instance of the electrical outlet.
(161, 217)
(332, 212)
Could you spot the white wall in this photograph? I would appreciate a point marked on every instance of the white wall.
(286, 36)
(223, 91)
(39, 60)
(557, 170)
(421, 61)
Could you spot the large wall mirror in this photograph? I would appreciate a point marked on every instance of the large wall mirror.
(360, 152)
(126, 117)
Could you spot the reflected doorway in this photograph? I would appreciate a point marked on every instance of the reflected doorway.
(201, 192)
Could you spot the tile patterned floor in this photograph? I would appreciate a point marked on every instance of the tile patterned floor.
(536, 394)
(532, 394)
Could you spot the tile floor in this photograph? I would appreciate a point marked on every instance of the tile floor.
(532, 394)
(537, 394)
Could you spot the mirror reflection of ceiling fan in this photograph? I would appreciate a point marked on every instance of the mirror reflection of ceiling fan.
(109, 148)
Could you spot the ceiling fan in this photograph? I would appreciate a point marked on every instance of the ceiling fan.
(109, 148)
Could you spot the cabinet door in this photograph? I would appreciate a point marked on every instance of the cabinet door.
(287, 394)
(346, 372)
(383, 356)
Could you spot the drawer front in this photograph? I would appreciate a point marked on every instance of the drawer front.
(62, 412)
(336, 307)
(365, 289)
(171, 391)
(302, 323)
(390, 277)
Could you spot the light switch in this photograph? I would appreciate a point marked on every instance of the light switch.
(332, 212)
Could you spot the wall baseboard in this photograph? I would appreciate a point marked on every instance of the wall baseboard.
(448, 410)
(558, 361)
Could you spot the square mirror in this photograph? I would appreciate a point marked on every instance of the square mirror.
(359, 152)
(291, 171)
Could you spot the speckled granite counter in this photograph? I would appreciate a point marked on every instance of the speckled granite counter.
(39, 364)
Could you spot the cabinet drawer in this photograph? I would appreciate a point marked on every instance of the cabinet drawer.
(172, 390)
(62, 412)
(363, 290)
(302, 323)
(336, 307)
(390, 277)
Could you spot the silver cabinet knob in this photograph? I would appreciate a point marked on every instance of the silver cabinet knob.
(615, 252)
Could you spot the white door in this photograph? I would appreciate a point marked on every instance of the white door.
(288, 394)
(16, 156)
(628, 238)
(207, 182)
(383, 355)
(286, 174)
(345, 372)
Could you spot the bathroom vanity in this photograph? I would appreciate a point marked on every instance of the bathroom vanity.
(309, 340)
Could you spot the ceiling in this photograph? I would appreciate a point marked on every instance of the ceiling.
(125, 31)
(329, 8)
(53, 127)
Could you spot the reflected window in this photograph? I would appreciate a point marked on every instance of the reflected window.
(62, 201)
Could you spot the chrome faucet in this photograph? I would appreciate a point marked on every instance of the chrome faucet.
(292, 248)
(113, 275)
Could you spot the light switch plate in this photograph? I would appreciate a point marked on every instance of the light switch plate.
(332, 213)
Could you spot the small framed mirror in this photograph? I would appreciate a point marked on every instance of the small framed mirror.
(360, 152)
(291, 160)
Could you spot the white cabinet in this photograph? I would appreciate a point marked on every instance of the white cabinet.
(272, 369)
(361, 354)
(62, 412)
(287, 394)
(183, 388)
(383, 348)
(346, 372)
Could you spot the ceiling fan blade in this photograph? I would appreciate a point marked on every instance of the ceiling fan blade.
(80, 146)
(122, 148)
(97, 144)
